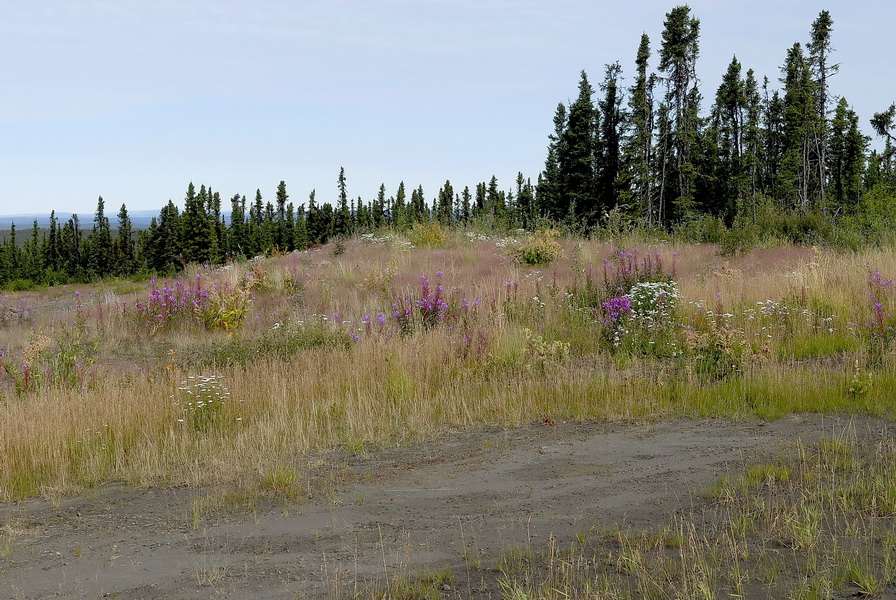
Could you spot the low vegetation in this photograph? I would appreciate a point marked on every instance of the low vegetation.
(227, 377)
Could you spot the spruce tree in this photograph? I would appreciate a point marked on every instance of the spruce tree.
(197, 226)
(72, 248)
(125, 263)
(281, 236)
(444, 204)
(300, 233)
(797, 178)
(465, 208)
(99, 243)
(401, 219)
(576, 160)
(52, 250)
(342, 225)
(236, 235)
(608, 165)
(884, 125)
(728, 118)
(678, 59)
(552, 201)
(846, 158)
(638, 144)
(820, 50)
(32, 267)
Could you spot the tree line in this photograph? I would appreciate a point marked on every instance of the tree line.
(649, 154)
(790, 162)
(204, 232)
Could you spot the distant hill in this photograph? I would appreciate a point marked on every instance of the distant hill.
(140, 219)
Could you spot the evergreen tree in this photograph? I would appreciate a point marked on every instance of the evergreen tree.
(465, 208)
(72, 250)
(379, 208)
(884, 125)
(300, 232)
(32, 266)
(638, 144)
(678, 59)
(99, 243)
(281, 236)
(343, 219)
(53, 250)
(525, 201)
(290, 228)
(444, 204)
(267, 240)
(550, 194)
(217, 229)
(161, 250)
(773, 140)
(12, 256)
(846, 158)
(820, 49)
(577, 158)
(728, 122)
(237, 241)
(125, 263)
(609, 144)
(197, 227)
(314, 222)
(752, 144)
(797, 179)
(401, 218)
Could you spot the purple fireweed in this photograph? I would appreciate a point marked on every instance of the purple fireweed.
(616, 309)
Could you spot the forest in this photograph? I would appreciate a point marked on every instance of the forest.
(763, 164)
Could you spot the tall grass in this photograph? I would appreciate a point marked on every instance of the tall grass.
(320, 360)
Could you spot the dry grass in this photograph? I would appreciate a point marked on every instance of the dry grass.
(799, 527)
(124, 418)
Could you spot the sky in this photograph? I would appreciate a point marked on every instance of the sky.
(133, 99)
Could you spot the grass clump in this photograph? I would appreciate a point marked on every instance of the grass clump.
(540, 248)
(432, 235)
(811, 526)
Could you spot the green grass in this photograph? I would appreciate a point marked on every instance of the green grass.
(793, 528)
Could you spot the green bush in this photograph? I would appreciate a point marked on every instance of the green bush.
(428, 236)
(540, 248)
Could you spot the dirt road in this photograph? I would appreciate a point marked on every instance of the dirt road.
(455, 504)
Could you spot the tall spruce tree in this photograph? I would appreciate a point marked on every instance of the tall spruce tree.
(798, 178)
(445, 204)
(728, 122)
(125, 262)
(678, 60)
(608, 164)
(820, 50)
(638, 143)
(343, 223)
(72, 248)
(552, 201)
(282, 237)
(846, 158)
(577, 172)
(99, 243)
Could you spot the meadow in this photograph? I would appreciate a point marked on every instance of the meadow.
(226, 378)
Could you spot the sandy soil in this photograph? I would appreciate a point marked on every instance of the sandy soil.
(454, 504)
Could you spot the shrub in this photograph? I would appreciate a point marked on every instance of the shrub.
(428, 236)
(540, 248)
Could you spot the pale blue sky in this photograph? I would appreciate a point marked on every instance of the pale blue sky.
(132, 100)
